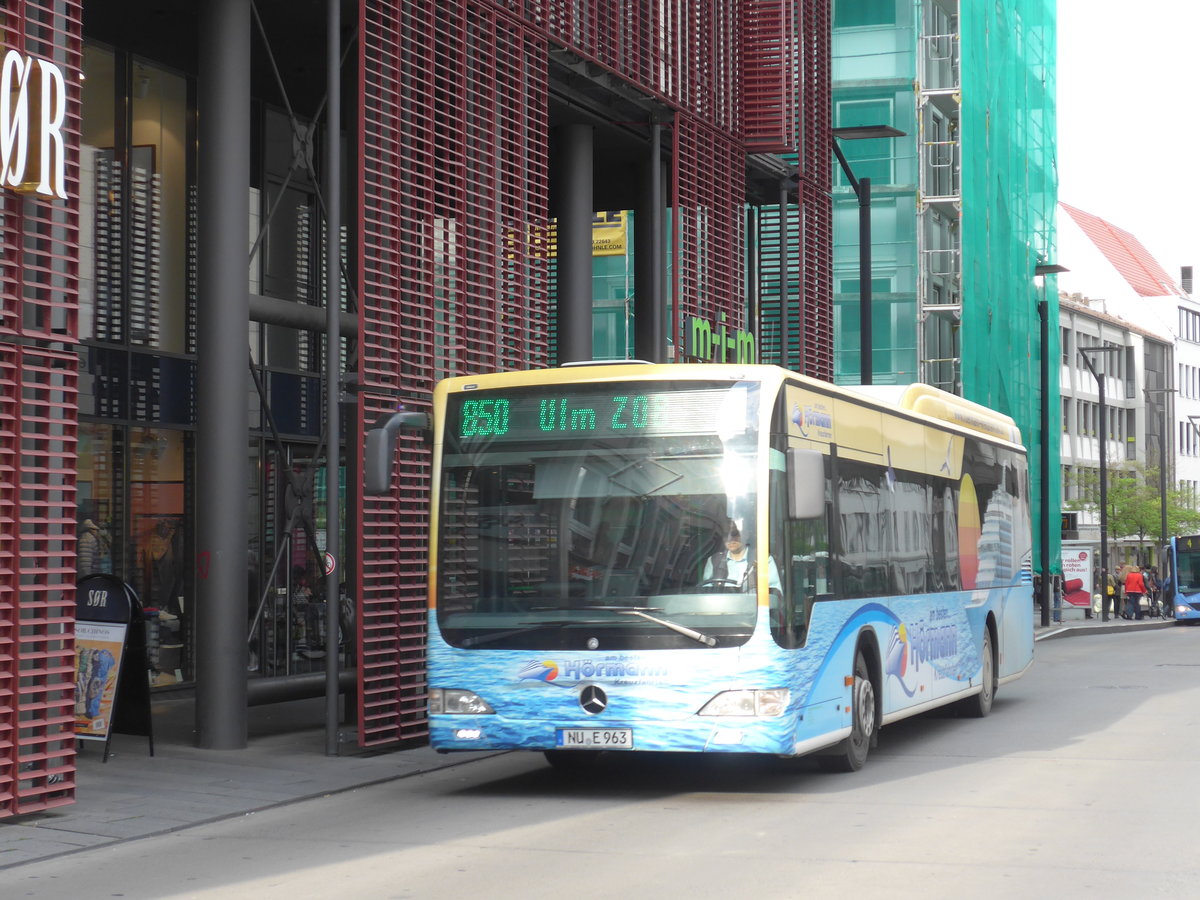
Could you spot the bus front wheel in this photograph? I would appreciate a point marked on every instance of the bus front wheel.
(851, 754)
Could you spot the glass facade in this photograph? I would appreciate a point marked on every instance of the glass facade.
(874, 64)
(137, 391)
(136, 508)
(962, 207)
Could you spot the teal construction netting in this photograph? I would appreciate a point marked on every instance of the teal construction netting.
(1009, 193)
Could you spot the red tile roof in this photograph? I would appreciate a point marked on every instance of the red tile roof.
(1126, 253)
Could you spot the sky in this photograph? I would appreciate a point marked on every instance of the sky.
(1129, 120)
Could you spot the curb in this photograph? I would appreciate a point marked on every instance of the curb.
(1105, 628)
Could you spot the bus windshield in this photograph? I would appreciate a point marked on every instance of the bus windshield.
(1187, 567)
(598, 516)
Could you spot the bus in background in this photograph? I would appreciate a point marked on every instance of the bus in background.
(714, 558)
(1183, 578)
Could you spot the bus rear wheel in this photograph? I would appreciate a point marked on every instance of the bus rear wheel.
(851, 754)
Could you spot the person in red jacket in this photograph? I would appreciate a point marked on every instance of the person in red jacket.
(1135, 586)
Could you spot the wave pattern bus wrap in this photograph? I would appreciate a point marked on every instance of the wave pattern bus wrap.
(577, 510)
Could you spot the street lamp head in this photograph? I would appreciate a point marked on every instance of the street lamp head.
(1043, 269)
(866, 132)
(1087, 361)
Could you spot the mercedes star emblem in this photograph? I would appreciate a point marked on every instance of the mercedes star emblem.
(593, 700)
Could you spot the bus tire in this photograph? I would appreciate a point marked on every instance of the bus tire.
(981, 704)
(851, 754)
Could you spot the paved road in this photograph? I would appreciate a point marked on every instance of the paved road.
(1080, 784)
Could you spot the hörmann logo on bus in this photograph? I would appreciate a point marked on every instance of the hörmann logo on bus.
(811, 415)
(33, 108)
(574, 671)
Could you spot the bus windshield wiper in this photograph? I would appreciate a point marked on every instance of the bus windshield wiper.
(674, 626)
(643, 612)
(525, 628)
(640, 611)
(587, 607)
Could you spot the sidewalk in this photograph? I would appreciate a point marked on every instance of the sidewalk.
(136, 795)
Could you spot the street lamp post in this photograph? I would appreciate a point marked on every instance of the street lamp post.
(862, 190)
(1083, 353)
(1041, 271)
(1162, 463)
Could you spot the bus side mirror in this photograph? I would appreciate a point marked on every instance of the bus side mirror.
(381, 449)
(806, 483)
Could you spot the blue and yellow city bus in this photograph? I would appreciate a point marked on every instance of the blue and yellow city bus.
(585, 596)
(1183, 578)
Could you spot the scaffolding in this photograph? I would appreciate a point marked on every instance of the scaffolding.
(1009, 189)
(939, 197)
(983, 130)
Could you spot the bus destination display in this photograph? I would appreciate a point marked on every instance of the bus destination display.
(620, 410)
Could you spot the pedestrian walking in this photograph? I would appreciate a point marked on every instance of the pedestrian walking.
(1167, 589)
(1135, 587)
(1110, 587)
(1153, 588)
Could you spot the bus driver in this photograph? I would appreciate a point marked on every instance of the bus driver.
(734, 566)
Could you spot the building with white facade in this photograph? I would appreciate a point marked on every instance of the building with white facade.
(1134, 366)
(1122, 279)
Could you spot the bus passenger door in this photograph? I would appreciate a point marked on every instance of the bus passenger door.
(800, 515)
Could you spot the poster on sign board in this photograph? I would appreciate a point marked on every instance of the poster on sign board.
(99, 647)
(1078, 576)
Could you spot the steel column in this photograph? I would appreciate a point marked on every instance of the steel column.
(1104, 500)
(1044, 458)
(575, 212)
(649, 309)
(784, 319)
(222, 328)
(333, 366)
(752, 273)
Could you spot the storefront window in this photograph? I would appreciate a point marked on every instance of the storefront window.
(287, 628)
(158, 546)
(133, 203)
(97, 511)
(289, 252)
(158, 195)
(98, 191)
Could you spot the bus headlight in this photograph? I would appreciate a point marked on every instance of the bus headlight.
(771, 702)
(455, 702)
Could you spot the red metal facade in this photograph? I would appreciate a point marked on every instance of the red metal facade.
(453, 279)
(809, 218)
(38, 376)
(770, 89)
(708, 242)
(454, 274)
(684, 52)
(815, 183)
